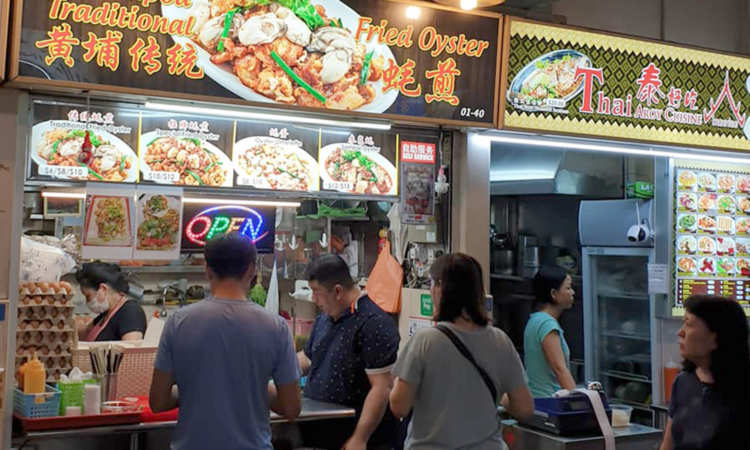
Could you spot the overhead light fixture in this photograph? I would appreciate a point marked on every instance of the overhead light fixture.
(413, 12)
(227, 201)
(604, 148)
(202, 110)
(60, 194)
(468, 4)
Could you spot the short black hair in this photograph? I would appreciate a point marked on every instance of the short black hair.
(548, 278)
(93, 274)
(330, 270)
(461, 288)
(230, 255)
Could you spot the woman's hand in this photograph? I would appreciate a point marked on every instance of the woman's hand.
(83, 325)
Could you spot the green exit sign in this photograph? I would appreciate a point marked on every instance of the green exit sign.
(425, 305)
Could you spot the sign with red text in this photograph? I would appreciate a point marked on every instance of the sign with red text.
(429, 63)
(578, 82)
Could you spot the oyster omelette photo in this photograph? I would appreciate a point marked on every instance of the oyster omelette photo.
(295, 52)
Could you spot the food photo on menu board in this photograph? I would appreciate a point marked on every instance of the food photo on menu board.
(158, 223)
(71, 142)
(185, 150)
(277, 157)
(108, 229)
(357, 162)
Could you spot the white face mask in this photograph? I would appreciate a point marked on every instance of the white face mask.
(97, 304)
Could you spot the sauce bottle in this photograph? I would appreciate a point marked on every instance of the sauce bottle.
(34, 376)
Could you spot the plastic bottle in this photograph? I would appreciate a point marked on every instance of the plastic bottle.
(34, 377)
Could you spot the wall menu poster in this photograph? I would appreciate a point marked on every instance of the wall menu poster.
(712, 235)
(358, 162)
(568, 80)
(353, 55)
(61, 150)
(276, 156)
(108, 228)
(186, 150)
(158, 214)
(418, 181)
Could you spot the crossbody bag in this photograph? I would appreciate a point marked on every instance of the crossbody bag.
(467, 354)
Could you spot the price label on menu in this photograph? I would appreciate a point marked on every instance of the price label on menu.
(64, 171)
(341, 186)
(163, 177)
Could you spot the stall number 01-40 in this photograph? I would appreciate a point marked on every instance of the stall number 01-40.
(475, 113)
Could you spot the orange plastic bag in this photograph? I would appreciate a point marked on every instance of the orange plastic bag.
(384, 283)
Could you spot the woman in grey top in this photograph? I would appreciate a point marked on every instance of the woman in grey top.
(452, 405)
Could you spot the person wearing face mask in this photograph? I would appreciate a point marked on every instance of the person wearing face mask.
(546, 353)
(119, 318)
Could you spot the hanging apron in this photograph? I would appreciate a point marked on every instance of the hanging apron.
(97, 329)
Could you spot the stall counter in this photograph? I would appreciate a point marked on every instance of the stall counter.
(632, 437)
(311, 410)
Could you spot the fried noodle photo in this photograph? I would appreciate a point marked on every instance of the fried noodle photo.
(278, 164)
(289, 51)
(68, 148)
(196, 164)
(110, 218)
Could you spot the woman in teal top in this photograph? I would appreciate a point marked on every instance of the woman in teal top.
(546, 354)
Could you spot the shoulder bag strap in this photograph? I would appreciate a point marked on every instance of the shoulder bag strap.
(467, 354)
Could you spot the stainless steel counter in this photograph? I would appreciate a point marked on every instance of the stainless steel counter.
(311, 410)
(633, 437)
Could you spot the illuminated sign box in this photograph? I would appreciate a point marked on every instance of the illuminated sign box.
(204, 222)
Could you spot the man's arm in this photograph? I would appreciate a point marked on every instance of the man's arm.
(285, 400)
(372, 411)
(162, 396)
(304, 363)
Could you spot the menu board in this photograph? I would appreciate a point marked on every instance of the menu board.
(712, 239)
(358, 162)
(276, 156)
(186, 150)
(72, 142)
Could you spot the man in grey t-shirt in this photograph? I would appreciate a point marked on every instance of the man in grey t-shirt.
(221, 353)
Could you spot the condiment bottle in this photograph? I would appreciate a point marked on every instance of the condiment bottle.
(34, 376)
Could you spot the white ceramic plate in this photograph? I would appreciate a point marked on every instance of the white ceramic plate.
(376, 157)
(226, 162)
(242, 145)
(37, 136)
(224, 76)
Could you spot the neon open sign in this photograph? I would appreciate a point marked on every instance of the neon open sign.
(226, 219)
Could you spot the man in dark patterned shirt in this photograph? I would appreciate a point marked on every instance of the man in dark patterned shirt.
(348, 360)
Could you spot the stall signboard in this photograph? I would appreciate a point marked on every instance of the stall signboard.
(422, 61)
(361, 162)
(203, 222)
(570, 81)
(712, 234)
(186, 150)
(71, 142)
(276, 156)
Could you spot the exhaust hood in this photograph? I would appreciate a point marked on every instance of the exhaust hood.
(530, 170)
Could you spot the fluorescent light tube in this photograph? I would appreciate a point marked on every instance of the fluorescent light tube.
(227, 201)
(597, 147)
(239, 114)
(59, 194)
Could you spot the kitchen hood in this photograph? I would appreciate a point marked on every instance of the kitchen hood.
(517, 169)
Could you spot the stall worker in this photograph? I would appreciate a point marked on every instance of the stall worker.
(119, 318)
(221, 353)
(348, 359)
(546, 353)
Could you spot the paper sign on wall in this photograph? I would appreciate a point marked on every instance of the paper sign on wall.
(158, 223)
(108, 228)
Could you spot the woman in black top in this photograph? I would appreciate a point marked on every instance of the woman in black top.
(105, 289)
(711, 397)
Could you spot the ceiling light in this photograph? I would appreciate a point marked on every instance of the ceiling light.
(413, 12)
(468, 4)
(572, 145)
(59, 194)
(227, 201)
(200, 110)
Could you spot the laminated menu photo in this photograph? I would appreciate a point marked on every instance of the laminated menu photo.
(158, 223)
(108, 226)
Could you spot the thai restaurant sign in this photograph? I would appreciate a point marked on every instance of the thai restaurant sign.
(571, 81)
(426, 62)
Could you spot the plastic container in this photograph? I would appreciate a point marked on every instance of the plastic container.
(621, 415)
(37, 405)
(34, 377)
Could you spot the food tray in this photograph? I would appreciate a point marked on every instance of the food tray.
(68, 422)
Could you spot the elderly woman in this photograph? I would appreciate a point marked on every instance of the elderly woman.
(454, 400)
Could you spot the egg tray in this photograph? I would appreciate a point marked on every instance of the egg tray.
(60, 361)
(47, 325)
(44, 350)
(59, 301)
(62, 289)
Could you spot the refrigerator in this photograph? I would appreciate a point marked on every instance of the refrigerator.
(619, 315)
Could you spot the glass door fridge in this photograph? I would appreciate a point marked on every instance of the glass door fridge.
(617, 314)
